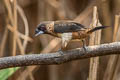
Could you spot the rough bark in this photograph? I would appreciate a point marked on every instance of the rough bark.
(60, 57)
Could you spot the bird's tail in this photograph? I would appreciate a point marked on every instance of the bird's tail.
(97, 28)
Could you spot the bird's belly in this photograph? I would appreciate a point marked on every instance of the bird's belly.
(79, 35)
(75, 35)
(67, 35)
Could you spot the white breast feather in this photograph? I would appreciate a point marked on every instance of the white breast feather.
(66, 37)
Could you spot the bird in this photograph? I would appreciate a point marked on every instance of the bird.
(66, 30)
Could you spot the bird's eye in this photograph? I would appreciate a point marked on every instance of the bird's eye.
(39, 28)
(43, 28)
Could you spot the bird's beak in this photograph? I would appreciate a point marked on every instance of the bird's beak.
(38, 33)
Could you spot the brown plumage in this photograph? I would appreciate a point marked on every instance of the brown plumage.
(67, 30)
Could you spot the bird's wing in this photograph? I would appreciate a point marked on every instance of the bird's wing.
(66, 37)
(67, 26)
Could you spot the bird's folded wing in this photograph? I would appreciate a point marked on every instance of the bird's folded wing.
(65, 27)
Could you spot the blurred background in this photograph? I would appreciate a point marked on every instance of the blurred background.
(19, 18)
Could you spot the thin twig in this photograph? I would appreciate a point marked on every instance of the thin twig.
(111, 66)
(3, 42)
(9, 9)
(24, 18)
(21, 48)
(57, 58)
(15, 28)
(116, 72)
(21, 35)
(93, 61)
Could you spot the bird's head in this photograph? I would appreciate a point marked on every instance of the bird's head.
(42, 28)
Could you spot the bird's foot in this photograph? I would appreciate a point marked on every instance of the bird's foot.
(61, 52)
(84, 47)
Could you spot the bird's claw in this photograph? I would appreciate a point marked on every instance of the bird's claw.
(84, 47)
(61, 52)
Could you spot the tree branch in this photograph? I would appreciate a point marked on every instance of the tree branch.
(58, 58)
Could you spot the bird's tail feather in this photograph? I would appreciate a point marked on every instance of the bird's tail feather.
(97, 28)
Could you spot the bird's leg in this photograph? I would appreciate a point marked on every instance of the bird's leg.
(66, 37)
(60, 51)
(84, 45)
(83, 42)
(63, 47)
